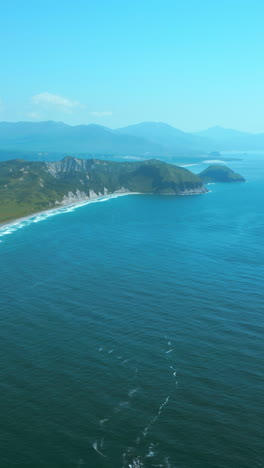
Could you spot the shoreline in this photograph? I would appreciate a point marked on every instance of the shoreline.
(62, 206)
(78, 203)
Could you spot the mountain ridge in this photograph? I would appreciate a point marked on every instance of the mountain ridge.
(58, 137)
(144, 140)
(227, 139)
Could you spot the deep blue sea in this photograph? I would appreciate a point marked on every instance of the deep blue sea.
(131, 332)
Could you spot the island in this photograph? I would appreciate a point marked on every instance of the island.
(28, 187)
(219, 173)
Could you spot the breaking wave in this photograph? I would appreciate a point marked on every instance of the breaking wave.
(14, 226)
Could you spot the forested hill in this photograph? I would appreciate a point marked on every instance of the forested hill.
(28, 187)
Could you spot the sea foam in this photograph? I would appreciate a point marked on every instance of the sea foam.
(14, 226)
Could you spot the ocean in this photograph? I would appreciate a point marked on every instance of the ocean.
(132, 331)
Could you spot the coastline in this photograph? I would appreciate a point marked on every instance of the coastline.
(62, 207)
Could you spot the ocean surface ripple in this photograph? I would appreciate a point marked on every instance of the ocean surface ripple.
(132, 332)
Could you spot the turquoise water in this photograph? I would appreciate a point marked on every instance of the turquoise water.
(132, 332)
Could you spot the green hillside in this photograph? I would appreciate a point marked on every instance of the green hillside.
(28, 187)
(220, 173)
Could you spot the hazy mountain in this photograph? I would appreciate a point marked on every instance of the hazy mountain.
(168, 136)
(217, 132)
(52, 140)
(226, 139)
(147, 139)
(60, 137)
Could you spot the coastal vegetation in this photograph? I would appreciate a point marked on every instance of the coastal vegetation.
(28, 187)
(220, 173)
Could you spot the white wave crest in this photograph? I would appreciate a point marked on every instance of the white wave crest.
(95, 446)
(12, 227)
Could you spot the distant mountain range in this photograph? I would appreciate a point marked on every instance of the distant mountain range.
(50, 140)
(226, 139)
(168, 137)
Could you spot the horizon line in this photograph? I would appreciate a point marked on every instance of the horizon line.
(130, 125)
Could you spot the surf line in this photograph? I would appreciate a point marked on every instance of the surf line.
(9, 227)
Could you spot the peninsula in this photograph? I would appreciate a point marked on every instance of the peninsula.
(27, 187)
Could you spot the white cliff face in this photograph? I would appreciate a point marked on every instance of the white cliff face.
(74, 197)
(79, 196)
(92, 194)
(122, 190)
(86, 175)
(68, 164)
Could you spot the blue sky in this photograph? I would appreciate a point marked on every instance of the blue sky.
(192, 63)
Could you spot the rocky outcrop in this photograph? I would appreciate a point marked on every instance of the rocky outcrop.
(78, 196)
(72, 197)
(194, 191)
(67, 165)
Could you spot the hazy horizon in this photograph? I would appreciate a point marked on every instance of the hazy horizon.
(193, 65)
(132, 124)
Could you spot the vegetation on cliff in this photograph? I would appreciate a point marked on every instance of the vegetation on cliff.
(220, 173)
(28, 187)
